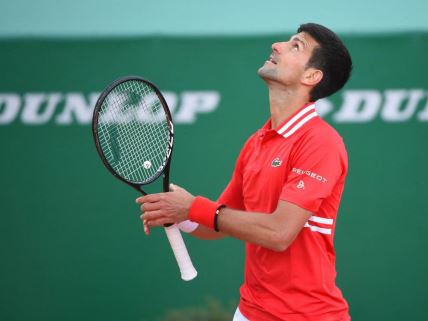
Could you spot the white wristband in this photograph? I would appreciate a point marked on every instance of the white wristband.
(187, 226)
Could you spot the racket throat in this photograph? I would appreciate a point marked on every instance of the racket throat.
(165, 183)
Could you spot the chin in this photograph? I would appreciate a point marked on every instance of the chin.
(267, 74)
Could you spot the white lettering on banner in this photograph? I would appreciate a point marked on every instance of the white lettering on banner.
(362, 106)
(394, 99)
(76, 104)
(423, 115)
(39, 108)
(9, 108)
(358, 106)
(194, 103)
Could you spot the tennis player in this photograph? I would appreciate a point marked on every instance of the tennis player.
(285, 191)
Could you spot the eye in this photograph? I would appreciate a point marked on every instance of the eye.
(295, 47)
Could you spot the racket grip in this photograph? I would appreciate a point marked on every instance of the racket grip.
(188, 272)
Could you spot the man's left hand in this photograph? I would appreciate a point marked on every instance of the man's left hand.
(165, 208)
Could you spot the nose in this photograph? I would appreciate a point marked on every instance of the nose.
(276, 47)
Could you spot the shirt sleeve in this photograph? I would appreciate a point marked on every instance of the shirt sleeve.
(314, 170)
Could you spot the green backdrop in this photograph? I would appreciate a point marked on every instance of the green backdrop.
(71, 243)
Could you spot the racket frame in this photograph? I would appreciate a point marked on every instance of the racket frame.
(165, 170)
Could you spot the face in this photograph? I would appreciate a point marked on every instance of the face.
(287, 63)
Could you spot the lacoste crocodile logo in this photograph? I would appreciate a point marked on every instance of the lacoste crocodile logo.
(276, 162)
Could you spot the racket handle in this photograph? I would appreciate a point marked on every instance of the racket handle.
(187, 270)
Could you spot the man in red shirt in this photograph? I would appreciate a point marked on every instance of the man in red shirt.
(284, 194)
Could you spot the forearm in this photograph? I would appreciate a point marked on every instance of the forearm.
(275, 231)
(205, 233)
(257, 228)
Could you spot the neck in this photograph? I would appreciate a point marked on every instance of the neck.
(283, 103)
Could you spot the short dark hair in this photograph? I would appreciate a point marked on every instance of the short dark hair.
(331, 57)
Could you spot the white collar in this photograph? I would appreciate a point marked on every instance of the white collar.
(297, 121)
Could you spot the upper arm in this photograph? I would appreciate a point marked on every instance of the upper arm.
(289, 219)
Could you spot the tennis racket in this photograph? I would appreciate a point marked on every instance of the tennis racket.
(133, 133)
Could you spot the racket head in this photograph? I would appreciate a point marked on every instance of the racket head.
(133, 131)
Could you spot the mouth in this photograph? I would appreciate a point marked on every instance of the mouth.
(272, 60)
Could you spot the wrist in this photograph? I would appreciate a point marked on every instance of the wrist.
(204, 211)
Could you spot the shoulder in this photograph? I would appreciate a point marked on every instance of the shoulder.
(319, 140)
(321, 133)
(320, 145)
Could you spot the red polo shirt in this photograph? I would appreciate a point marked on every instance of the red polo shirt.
(304, 162)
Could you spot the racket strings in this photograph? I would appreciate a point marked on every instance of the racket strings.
(132, 159)
(133, 131)
(152, 148)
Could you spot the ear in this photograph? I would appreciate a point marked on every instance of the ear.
(311, 77)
